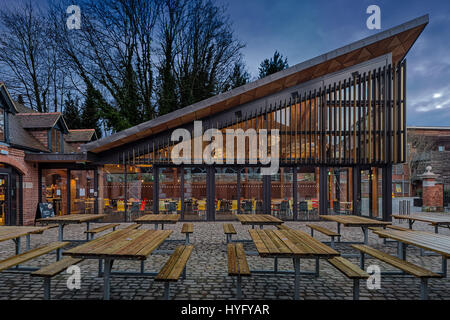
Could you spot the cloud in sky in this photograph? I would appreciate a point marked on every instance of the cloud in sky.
(302, 30)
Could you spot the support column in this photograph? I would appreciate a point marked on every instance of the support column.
(155, 189)
(387, 192)
(323, 190)
(294, 193)
(356, 187)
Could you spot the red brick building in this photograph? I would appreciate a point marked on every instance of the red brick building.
(24, 131)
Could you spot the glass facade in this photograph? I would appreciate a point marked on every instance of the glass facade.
(226, 182)
(195, 193)
(54, 189)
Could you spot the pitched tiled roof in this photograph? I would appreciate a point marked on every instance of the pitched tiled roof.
(21, 108)
(38, 120)
(80, 135)
(20, 137)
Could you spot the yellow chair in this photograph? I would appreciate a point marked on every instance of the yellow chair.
(179, 205)
(201, 205)
(162, 206)
(120, 206)
(234, 205)
(218, 205)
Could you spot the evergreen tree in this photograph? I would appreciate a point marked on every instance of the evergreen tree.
(272, 65)
(237, 78)
(71, 112)
(91, 109)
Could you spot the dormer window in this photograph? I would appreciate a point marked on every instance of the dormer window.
(2, 124)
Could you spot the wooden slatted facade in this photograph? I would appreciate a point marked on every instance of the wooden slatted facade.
(360, 120)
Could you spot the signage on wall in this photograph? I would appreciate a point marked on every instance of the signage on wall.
(44, 210)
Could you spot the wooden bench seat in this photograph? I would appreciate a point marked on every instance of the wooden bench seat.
(52, 270)
(351, 271)
(401, 264)
(237, 264)
(174, 267)
(105, 227)
(47, 227)
(397, 228)
(31, 254)
(325, 231)
(132, 226)
(187, 229)
(283, 227)
(229, 230)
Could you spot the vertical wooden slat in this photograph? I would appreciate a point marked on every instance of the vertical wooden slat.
(369, 117)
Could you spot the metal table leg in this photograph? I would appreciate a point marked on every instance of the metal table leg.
(339, 231)
(87, 229)
(297, 278)
(444, 266)
(366, 235)
(28, 242)
(106, 278)
(60, 232)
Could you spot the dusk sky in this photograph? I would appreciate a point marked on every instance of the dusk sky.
(301, 30)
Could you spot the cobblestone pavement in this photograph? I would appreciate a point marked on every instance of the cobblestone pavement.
(207, 271)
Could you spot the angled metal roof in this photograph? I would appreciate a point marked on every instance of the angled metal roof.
(397, 40)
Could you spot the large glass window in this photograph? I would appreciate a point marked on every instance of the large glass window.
(251, 191)
(195, 193)
(82, 192)
(282, 204)
(169, 190)
(140, 191)
(307, 193)
(112, 188)
(226, 182)
(54, 189)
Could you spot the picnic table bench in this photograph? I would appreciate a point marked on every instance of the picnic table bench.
(93, 232)
(354, 221)
(31, 254)
(48, 272)
(293, 244)
(229, 231)
(351, 271)
(258, 219)
(324, 231)
(174, 268)
(62, 221)
(435, 242)
(237, 265)
(157, 219)
(187, 229)
(120, 245)
(401, 264)
(433, 219)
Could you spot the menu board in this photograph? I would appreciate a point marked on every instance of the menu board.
(45, 210)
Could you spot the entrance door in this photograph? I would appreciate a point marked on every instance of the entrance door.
(8, 198)
(4, 199)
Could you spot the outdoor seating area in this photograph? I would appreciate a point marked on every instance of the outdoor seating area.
(259, 251)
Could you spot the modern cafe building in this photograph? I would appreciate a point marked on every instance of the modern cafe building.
(337, 121)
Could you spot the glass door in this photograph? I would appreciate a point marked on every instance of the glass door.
(82, 192)
(4, 201)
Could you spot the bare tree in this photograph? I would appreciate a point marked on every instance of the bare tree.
(420, 148)
(28, 57)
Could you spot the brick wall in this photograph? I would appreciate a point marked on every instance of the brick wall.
(40, 135)
(433, 198)
(29, 171)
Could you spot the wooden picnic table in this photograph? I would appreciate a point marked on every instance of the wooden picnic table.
(158, 219)
(293, 244)
(433, 219)
(425, 240)
(16, 232)
(355, 221)
(72, 219)
(258, 219)
(123, 244)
